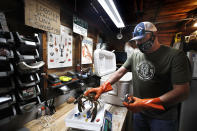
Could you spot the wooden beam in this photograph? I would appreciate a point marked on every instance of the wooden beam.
(141, 5)
(135, 6)
(180, 3)
(176, 9)
(165, 35)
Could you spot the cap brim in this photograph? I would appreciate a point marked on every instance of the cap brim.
(137, 38)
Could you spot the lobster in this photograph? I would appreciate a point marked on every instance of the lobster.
(94, 105)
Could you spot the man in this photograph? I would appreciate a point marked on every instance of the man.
(161, 77)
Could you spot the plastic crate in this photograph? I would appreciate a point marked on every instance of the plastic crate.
(104, 62)
(81, 123)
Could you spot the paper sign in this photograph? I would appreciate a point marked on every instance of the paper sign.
(80, 26)
(39, 14)
(60, 48)
(87, 51)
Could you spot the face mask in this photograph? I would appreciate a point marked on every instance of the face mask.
(147, 45)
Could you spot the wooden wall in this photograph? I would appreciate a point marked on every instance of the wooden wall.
(169, 16)
(66, 20)
(14, 12)
(77, 39)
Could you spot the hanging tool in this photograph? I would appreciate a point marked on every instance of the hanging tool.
(50, 105)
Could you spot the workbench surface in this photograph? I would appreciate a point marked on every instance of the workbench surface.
(57, 120)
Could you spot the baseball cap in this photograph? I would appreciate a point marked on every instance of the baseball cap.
(141, 29)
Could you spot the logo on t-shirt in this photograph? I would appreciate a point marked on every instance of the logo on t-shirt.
(145, 70)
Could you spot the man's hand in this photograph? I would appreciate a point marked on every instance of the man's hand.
(143, 104)
(103, 88)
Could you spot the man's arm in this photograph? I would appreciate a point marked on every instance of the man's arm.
(106, 86)
(178, 94)
(117, 75)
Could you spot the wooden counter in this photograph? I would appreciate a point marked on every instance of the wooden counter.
(58, 119)
(58, 124)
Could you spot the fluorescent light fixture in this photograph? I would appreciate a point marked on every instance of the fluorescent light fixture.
(110, 8)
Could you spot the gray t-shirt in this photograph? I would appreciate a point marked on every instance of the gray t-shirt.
(155, 73)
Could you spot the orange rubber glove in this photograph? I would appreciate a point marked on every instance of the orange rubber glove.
(106, 86)
(143, 104)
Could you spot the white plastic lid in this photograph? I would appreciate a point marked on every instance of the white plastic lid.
(125, 78)
(104, 62)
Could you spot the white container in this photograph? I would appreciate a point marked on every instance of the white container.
(104, 62)
(105, 65)
(120, 89)
(81, 123)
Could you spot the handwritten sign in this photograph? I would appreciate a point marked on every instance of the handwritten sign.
(42, 15)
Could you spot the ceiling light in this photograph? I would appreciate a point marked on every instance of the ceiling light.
(195, 24)
(110, 8)
(119, 36)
